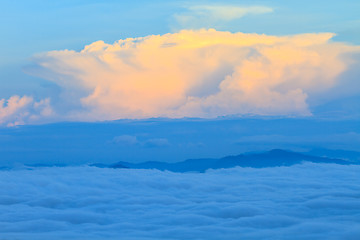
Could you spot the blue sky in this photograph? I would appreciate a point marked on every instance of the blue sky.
(173, 140)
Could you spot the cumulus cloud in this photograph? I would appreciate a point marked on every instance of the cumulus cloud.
(130, 140)
(204, 16)
(205, 73)
(20, 110)
(308, 201)
(125, 140)
(156, 142)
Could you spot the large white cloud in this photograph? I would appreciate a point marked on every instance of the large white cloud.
(310, 201)
(203, 73)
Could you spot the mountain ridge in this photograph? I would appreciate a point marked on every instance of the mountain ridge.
(272, 158)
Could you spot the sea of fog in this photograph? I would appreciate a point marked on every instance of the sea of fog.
(307, 201)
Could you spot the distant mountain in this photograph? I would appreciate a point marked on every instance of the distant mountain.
(273, 158)
(102, 165)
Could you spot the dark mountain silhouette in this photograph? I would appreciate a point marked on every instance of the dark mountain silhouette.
(102, 165)
(273, 158)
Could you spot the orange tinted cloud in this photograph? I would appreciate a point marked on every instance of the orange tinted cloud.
(205, 73)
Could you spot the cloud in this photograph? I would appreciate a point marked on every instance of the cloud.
(125, 140)
(156, 142)
(205, 16)
(205, 73)
(21, 110)
(308, 201)
(130, 140)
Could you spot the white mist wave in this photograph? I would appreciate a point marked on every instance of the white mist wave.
(309, 201)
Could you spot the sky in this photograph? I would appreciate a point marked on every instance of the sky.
(167, 140)
(108, 60)
(89, 81)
